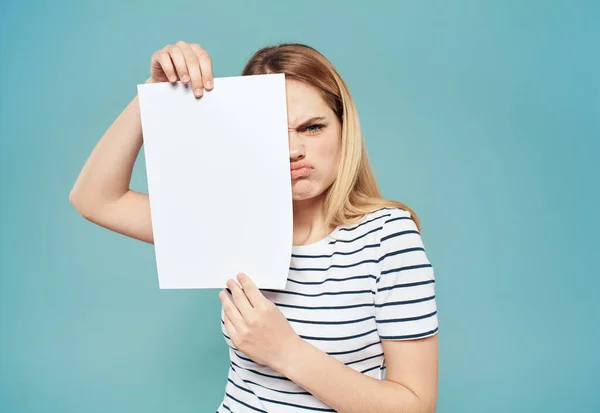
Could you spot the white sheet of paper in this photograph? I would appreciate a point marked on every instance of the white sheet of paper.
(219, 181)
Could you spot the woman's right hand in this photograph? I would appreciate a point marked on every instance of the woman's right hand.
(185, 62)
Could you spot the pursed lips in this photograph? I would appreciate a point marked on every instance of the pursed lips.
(299, 169)
(300, 165)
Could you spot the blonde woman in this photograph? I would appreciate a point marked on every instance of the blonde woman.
(355, 329)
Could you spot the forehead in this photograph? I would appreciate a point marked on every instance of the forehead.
(303, 102)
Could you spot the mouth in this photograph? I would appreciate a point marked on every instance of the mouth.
(300, 172)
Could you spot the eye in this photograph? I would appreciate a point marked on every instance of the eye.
(315, 128)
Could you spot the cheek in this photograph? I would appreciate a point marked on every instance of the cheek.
(331, 149)
(329, 154)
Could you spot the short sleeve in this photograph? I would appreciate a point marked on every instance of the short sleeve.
(405, 303)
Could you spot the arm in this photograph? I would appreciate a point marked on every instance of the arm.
(410, 387)
(406, 317)
(101, 193)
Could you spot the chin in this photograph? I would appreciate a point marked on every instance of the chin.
(300, 198)
(303, 190)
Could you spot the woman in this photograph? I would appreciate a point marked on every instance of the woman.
(355, 329)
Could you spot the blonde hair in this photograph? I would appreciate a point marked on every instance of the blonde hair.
(355, 192)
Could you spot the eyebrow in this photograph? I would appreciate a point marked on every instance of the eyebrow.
(310, 121)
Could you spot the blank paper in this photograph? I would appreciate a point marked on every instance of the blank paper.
(219, 181)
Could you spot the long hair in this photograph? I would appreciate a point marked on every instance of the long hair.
(355, 192)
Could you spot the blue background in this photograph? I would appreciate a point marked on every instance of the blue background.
(481, 115)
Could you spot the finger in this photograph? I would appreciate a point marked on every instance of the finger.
(193, 67)
(179, 62)
(205, 65)
(229, 326)
(240, 299)
(255, 296)
(163, 58)
(230, 310)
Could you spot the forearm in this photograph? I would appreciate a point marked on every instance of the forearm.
(345, 389)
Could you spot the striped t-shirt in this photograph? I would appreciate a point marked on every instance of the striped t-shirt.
(364, 283)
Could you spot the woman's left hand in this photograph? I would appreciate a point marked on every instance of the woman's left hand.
(255, 325)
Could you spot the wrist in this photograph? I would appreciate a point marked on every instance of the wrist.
(292, 358)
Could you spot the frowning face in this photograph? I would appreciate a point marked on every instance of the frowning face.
(315, 141)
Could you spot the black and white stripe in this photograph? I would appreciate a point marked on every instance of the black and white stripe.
(367, 282)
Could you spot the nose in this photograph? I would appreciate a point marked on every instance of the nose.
(297, 150)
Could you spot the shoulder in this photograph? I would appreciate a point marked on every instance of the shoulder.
(398, 230)
(380, 221)
(383, 216)
(394, 213)
(390, 218)
(398, 218)
(375, 227)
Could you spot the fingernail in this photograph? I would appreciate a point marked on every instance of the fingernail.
(185, 78)
(240, 276)
(209, 84)
(172, 79)
(198, 92)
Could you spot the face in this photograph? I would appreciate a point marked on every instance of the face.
(315, 141)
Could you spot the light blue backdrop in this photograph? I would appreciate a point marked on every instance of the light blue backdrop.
(481, 115)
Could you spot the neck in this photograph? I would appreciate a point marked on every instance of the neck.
(309, 221)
